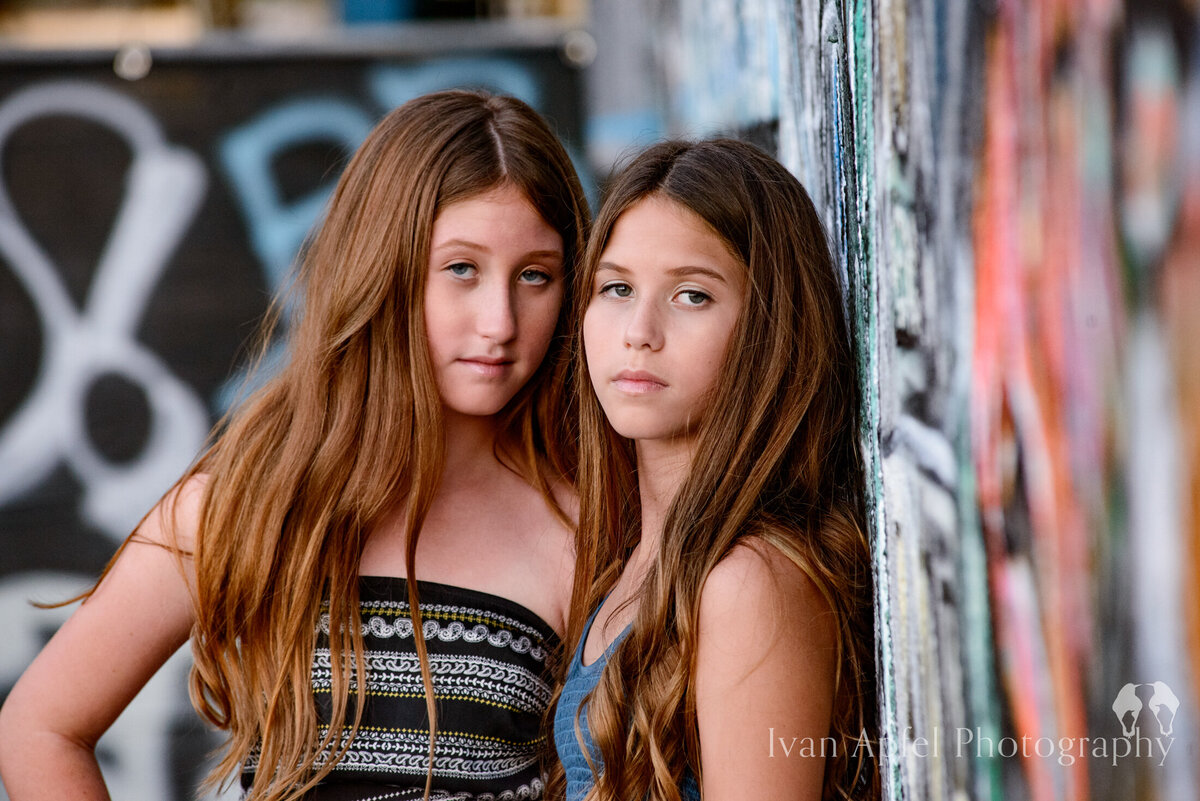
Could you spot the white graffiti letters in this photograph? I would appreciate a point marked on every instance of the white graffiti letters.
(164, 188)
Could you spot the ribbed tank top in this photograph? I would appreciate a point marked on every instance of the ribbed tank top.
(581, 680)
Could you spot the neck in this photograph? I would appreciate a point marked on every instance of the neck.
(662, 466)
(470, 445)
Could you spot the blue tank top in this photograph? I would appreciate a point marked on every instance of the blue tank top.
(581, 680)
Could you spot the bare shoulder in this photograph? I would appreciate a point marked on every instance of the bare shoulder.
(757, 584)
(164, 543)
(175, 519)
(161, 549)
(765, 663)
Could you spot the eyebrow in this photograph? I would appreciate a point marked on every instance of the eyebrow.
(463, 243)
(687, 269)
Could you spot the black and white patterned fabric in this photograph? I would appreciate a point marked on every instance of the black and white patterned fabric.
(488, 659)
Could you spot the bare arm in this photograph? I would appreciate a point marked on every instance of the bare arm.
(97, 662)
(764, 679)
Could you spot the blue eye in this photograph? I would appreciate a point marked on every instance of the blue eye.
(461, 269)
(534, 277)
(693, 297)
(616, 290)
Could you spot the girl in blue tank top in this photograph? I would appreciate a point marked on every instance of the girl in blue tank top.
(722, 622)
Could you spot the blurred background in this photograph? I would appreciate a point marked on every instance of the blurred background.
(1012, 192)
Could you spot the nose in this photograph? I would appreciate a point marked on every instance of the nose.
(644, 328)
(496, 312)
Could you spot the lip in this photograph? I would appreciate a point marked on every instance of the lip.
(487, 366)
(638, 382)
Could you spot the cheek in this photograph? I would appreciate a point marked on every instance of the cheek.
(440, 321)
(709, 352)
(540, 317)
(594, 327)
(704, 384)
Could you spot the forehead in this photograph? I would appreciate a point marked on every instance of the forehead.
(502, 214)
(659, 232)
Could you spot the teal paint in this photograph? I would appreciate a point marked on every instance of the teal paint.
(863, 270)
(982, 691)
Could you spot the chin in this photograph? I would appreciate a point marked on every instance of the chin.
(476, 407)
(637, 427)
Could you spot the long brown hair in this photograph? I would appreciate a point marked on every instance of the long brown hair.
(789, 475)
(352, 425)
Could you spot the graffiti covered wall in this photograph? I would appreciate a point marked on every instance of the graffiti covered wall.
(1011, 191)
(144, 226)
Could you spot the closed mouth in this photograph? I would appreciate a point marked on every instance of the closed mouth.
(485, 360)
(486, 366)
(638, 382)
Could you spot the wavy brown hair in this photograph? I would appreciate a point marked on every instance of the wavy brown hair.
(776, 460)
(352, 426)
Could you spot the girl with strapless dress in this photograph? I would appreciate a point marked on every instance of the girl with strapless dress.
(421, 427)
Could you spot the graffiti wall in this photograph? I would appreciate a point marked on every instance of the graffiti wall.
(144, 226)
(1011, 191)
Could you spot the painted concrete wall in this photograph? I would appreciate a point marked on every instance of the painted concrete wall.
(1013, 193)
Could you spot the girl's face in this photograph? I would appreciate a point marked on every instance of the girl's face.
(665, 298)
(492, 297)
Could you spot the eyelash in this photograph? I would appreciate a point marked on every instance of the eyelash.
(543, 277)
(604, 290)
(704, 297)
(530, 275)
